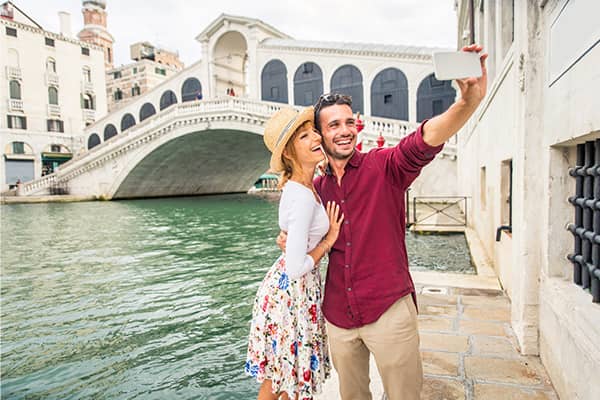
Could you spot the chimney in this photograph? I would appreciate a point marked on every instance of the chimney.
(65, 23)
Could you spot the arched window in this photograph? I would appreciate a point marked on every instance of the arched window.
(147, 111)
(168, 98)
(135, 90)
(190, 89)
(51, 65)
(433, 97)
(127, 122)
(273, 80)
(15, 90)
(93, 140)
(87, 102)
(52, 95)
(389, 95)
(87, 74)
(118, 95)
(308, 84)
(347, 80)
(109, 131)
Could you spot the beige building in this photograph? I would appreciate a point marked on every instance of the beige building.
(43, 114)
(533, 144)
(152, 66)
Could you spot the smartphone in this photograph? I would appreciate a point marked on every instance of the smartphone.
(450, 65)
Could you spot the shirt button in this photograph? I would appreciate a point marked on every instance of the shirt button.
(349, 289)
(348, 244)
(343, 201)
(346, 222)
(347, 266)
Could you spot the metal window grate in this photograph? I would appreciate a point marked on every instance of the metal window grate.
(586, 229)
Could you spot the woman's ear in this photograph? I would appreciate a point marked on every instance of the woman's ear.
(285, 154)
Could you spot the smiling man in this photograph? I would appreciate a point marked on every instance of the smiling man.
(370, 301)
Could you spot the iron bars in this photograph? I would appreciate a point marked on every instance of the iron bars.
(586, 229)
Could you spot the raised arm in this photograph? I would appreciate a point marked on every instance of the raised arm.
(472, 90)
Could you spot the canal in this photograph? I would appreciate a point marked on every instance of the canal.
(145, 299)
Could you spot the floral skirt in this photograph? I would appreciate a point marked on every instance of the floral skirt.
(288, 342)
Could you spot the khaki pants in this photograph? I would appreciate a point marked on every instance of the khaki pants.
(394, 341)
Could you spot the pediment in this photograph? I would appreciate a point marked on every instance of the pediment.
(233, 21)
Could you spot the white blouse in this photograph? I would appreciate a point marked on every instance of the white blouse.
(306, 222)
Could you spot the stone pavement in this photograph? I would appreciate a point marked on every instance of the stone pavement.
(469, 350)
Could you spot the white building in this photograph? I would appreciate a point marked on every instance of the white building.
(52, 86)
(540, 120)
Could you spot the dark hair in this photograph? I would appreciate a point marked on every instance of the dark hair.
(329, 99)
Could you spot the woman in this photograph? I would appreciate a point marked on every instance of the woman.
(287, 346)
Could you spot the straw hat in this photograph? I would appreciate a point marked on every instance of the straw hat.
(280, 128)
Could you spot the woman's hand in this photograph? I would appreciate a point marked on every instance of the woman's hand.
(335, 222)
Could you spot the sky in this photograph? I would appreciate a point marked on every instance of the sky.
(173, 24)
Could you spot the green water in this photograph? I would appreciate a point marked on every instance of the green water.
(147, 299)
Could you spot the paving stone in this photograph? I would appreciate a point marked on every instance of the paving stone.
(487, 314)
(481, 328)
(478, 292)
(447, 311)
(442, 389)
(484, 301)
(500, 392)
(432, 323)
(494, 346)
(439, 341)
(438, 363)
(523, 371)
(439, 299)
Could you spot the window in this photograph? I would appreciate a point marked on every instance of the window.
(87, 102)
(18, 147)
(275, 92)
(437, 107)
(16, 122)
(51, 65)
(135, 70)
(52, 95)
(11, 31)
(55, 125)
(49, 42)
(87, 74)
(135, 90)
(387, 99)
(118, 95)
(307, 68)
(117, 74)
(506, 170)
(109, 54)
(160, 71)
(55, 148)
(15, 90)
(85, 51)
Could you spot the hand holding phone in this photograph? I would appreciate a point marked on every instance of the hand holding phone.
(456, 65)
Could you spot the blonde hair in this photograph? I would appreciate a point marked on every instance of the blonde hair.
(290, 162)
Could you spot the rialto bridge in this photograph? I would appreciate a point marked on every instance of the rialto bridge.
(187, 136)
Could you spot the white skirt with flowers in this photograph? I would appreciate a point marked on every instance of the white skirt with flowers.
(288, 342)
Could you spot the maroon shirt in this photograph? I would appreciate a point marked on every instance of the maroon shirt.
(368, 265)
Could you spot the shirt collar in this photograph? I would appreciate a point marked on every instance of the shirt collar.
(354, 162)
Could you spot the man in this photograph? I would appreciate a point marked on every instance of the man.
(370, 301)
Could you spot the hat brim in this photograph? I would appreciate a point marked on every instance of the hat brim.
(276, 163)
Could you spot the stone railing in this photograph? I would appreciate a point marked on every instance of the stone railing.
(53, 110)
(13, 72)
(15, 105)
(248, 111)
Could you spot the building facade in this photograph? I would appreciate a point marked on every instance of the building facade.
(533, 144)
(52, 87)
(94, 29)
(151, 67)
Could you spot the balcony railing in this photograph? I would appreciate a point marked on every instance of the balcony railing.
(15, 105)
(89, 115)
(87, 86)
(13, 72)
(53, 110)
(51, 78)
